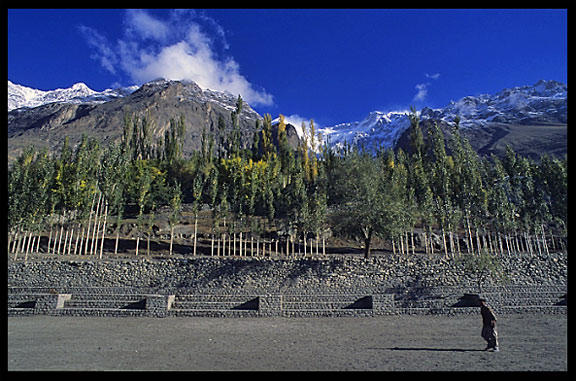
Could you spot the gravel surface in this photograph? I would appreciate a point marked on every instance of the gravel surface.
(409, 343)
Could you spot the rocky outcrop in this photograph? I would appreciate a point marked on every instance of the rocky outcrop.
(160, 101)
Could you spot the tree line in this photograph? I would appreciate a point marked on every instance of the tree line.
(441, 196)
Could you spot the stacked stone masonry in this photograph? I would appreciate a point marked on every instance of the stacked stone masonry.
(304, 288)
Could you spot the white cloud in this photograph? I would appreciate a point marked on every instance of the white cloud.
(422, 88)
(422, 92)
(102, 52)
(177, 48)
(146, 26)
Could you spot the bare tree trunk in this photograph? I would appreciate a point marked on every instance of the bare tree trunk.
(14, 241)
(471, 246)
(218, 241)
(38, 242)
(171, 239)
(78, 238)
(28, 247)
(212, 245)
(96, 229)
(444, 241)
(71, 239)
(60, 239)
(49, 237)
(425, 242)
(478, 241)
(195, 231)
(117, 239)
(544, 241)
(104, 228)
(17, 243)
(89, 225)
(66, 239)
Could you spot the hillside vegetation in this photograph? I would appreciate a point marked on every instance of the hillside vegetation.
(440, 197)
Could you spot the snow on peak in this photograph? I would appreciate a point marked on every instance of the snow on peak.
(543, 102)
(21, 96)
(378, 129)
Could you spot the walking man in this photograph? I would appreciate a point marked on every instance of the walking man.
(489, 332)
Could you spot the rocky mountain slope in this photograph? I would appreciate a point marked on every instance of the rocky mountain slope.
(532, 119)
(79, 110)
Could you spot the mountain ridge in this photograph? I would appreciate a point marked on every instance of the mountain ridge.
(47, 125)
(487, 120)
(545, 102)
(20, 96)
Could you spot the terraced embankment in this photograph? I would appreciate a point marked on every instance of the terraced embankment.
(246, 287)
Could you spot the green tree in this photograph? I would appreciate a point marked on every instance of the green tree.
(441, 167)
(483, 266)
(173, 141)
(469, 194)
(175, 211)
(368, 208)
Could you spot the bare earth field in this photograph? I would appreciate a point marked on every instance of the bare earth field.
(385, 343)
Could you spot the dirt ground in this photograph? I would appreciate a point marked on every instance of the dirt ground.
(386, 343)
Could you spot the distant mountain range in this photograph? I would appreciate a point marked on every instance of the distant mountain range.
(45, 119)
(543, 104)
(25, 97)
(532, 119)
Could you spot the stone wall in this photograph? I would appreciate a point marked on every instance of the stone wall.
(354, 275)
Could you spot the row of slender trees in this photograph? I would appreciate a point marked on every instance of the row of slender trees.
(441, 196)
(460, 202)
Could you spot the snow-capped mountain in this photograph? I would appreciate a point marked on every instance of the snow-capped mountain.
(78, 111)
(533, 118)
(543, 103)
(25, 97)
(378, 129)
(21, 96)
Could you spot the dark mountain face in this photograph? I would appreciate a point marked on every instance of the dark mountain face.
(532, 120)
(532, 140)
(160, 101)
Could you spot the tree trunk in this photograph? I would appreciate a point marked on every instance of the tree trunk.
(71, 239)
(195, 231)
(444, 242)
(212, 245)
(545, 244)
(367, 242)
(60, 238)
(240, 246)
(117, 238)
(96, 225)
(104, 229)
(470, 241)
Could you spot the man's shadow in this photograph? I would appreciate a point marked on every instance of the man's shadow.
(431, 349)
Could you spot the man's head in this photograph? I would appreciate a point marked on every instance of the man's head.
(482, 302)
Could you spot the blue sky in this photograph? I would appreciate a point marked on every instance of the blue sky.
(332, 65)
